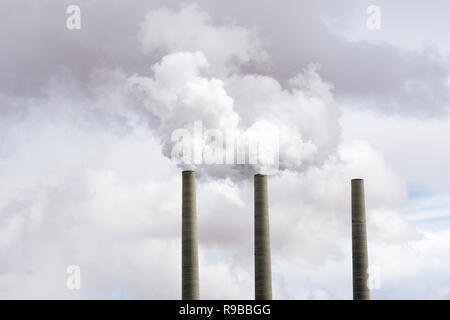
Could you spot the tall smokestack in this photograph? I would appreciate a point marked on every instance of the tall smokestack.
(263, 276)
(359, 242)
(189, 249)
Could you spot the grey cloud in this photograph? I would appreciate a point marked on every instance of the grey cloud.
(378, 76)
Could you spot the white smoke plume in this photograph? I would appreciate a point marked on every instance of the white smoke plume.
(199, 79)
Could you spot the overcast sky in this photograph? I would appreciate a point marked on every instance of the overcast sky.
(85, 123)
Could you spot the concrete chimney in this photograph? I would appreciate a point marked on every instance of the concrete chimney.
(359, 242)
(189, 246)
(263, 275)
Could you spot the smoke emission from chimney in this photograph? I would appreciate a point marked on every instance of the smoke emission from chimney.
(192, 83)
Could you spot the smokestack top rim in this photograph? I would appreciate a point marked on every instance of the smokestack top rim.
(260, 175)
(188, 171)
(357, 179)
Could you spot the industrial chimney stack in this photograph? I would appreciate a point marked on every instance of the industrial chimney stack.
(189, 246)
(263, 276)
(359, 242)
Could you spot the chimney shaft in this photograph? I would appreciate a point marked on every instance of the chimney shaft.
(359, 242)
(189, 249)
(263, 276)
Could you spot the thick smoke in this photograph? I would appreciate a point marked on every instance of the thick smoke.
(199, 86)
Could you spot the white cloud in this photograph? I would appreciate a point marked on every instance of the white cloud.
(191, 29)
(415, 148)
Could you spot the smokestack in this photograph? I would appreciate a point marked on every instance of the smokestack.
(359, 242)
(189, 249)
(263, 276)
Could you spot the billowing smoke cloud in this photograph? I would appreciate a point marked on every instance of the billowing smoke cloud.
(250, 120)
